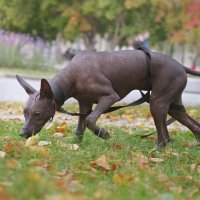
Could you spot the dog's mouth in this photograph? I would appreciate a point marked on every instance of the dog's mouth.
(26, 134)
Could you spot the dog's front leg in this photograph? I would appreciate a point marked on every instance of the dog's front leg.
(104, 103)
(83, 108)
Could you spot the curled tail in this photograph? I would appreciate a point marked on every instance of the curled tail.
(192, 72)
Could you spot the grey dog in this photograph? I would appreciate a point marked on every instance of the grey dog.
(103, 78)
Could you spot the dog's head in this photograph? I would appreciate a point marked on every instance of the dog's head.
(39, 108)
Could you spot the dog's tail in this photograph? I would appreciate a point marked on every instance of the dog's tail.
(192, 72)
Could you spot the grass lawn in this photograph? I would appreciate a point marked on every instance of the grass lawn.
(121, 168)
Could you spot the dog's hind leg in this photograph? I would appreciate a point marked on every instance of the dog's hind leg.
(159, 109)
(186, 120)
(83, 108)
(104, 103)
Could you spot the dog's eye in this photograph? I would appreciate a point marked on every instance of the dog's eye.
(25, 111)
(36, 113)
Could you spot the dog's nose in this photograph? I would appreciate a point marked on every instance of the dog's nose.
(23, 134)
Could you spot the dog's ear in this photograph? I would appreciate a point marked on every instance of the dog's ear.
(45, 89)
(28, 88)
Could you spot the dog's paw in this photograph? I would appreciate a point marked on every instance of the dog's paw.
(103, 134)
(162, 144)
(78, 139)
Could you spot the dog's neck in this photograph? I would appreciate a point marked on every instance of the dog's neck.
(58, 94)
(61, 87)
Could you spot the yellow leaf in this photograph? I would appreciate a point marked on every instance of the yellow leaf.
(42, 150)
(32, 140)
(123, 179)
(34, 177)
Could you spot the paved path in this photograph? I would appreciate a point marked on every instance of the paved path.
(10, 90)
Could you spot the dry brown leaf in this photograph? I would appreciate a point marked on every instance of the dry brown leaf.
(4, 195)
(116, 146)
(163, 178)
(2, 154)
(38, 163)
(144, 166)
(70, 183)
(195, 167)
(114, 167)
(123, 179)
(101, 162)
(9, 147)
(32, 140)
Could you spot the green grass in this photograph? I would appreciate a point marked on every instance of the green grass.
(36, 174)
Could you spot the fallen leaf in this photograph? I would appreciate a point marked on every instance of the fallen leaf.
(156, 160)
(193, 144)
(195, 167)
(123, 179)
(2, 154)
(4, 195)
(49, 125)
(73, 147)
(178, 189)
(38, 163)
(62, 128)
(163, 178)
(101, 162)
(13, 163)
(43, 143)
(70, 183)
(32, 140)
(144, 166)
(116, 146)
(42, 150)
(114, 167)
(34, 177)
(9, 147)
(58, 134)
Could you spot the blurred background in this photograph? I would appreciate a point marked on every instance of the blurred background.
(43, 35)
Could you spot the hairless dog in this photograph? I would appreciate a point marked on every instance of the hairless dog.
(103, 78)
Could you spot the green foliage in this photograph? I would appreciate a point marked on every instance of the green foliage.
(119, 20)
